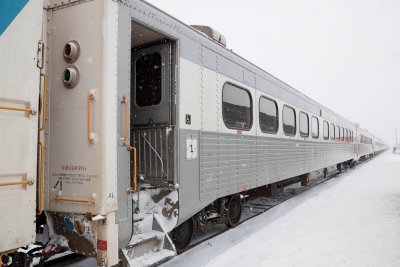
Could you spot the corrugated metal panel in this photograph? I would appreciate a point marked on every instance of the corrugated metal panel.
(232, 163)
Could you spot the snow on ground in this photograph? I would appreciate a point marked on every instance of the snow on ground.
(351, 220)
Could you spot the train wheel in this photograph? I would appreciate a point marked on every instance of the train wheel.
(234, 211)
(182, 235)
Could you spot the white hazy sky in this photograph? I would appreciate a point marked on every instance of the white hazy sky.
(343, 54)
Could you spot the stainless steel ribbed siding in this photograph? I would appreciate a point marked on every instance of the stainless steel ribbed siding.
(232, 163)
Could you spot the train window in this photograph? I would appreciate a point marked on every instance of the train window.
(289, 121)
(236, 107)
(314, 127)
(332, 131)
(148, 80)
(352, 136)
(342, 133)
(346, 135)
(304, 125)
(268, 115)
(326, 130)
(337, 132)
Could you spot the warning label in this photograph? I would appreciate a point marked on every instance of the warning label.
(75, 178)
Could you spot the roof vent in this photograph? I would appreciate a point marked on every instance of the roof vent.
(211, 33)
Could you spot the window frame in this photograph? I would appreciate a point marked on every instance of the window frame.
(277, 114)
(312, 134)
(341, 133)
(308, 125)
(295, 120)
(251, 106)
(338, 130)
(325, 123)
(333, 133)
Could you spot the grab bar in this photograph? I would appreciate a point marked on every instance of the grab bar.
(28, 182)
(86, 201)
(31, 111)
(41, 180)
(90, 96)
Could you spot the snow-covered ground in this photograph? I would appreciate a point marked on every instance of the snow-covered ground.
(351, 220)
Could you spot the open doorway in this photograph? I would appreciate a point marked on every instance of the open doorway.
(153, 55)
(151, 77)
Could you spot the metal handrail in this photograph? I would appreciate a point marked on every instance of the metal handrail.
(124, 100)
(44, 102)
(87, 201)
(89, 98)
(134, 189)
(41, 178)
(31, 111)
(28, 182)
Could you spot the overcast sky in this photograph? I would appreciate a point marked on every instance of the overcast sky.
(343, 54)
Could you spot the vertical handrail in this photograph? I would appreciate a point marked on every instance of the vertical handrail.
(44, 102)
(124, 100)
(134, 189)
(41, 178)
(89, 98)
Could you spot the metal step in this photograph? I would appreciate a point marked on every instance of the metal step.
(152, 258)
(150, 248)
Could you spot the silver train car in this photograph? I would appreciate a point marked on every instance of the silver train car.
(142, 130)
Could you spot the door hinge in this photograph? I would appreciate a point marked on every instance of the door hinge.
(40, 55)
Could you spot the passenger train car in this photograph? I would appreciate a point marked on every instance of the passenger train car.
(126, 130)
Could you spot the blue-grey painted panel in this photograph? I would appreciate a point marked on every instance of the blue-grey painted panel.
(9, 10)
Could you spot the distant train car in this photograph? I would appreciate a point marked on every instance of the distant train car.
(365, 144)
(379, 145)
(148, 129)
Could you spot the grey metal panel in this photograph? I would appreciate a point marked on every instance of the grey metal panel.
(189, 190)
(124, 212)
